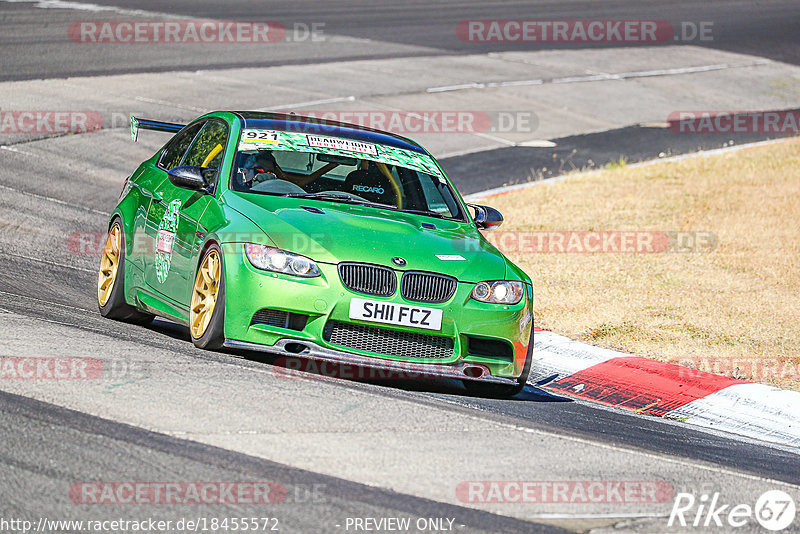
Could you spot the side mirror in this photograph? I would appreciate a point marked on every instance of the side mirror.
(188, 177)
(486, 218)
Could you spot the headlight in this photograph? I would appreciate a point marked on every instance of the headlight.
(499, 292)
(280, 261)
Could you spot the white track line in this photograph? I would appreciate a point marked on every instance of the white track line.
(334, 100)
(85, 6)
(16, 150)
(55, 200)
(634, 515)
(702, 153)
(53, 263)
(600, 77)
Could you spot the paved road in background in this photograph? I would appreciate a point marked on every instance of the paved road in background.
(36, 44)
(418, 40)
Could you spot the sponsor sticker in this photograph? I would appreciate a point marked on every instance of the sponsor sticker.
(300, 142)
(368, 189)
(451, 257)
(165, 241)
(342, 144)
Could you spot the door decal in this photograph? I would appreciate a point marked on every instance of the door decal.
(166, 238)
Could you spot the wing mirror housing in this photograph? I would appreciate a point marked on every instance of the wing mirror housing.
(486, 218)
(189, 177)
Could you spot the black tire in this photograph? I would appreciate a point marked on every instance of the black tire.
(503, 391)
(115, 307)
(492, 391)
(214, 336)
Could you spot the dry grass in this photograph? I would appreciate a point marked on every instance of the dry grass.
(734, 311)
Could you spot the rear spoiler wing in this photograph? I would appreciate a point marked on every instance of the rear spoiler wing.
(147, 124)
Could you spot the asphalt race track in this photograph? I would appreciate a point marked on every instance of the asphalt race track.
(415, 28)
(343, 449)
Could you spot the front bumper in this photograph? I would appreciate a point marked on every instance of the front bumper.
(325, 300)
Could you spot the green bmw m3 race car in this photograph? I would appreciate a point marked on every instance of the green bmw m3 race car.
(319, 240)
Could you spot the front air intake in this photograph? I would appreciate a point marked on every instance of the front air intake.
(280, 318)
(388, 342)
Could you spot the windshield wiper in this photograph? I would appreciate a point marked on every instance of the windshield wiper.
(344, 197)
(425, 212)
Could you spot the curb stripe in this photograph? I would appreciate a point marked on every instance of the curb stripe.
(556, 357)
(642, 385)
(754, 410)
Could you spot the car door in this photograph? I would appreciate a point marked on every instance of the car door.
(150, 185)
(174, 214)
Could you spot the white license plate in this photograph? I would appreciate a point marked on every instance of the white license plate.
(399, 314)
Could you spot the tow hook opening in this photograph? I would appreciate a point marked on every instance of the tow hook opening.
(295, 348)
(473, 372)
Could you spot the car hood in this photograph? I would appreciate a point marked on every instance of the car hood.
(331, 232)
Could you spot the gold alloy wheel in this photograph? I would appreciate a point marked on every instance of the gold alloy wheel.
(109, 264)
(204, 294)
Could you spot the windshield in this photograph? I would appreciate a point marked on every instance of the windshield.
(341, 170)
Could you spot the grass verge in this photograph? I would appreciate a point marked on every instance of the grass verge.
(733, 310)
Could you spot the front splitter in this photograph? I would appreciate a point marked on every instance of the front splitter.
(313, 351)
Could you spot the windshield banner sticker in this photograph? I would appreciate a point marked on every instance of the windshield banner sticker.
(297, 142)
(342, 144)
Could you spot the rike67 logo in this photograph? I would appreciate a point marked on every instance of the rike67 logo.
(774, 510)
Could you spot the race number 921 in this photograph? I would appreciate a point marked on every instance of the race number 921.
(261, 136)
